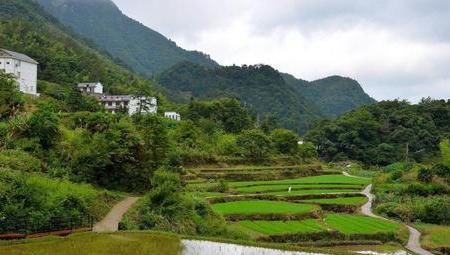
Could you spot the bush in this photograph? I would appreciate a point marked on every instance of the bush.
(396, 175)
(20, 161)
(425, 175)
(441, 170)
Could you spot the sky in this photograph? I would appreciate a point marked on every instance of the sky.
(394, 48)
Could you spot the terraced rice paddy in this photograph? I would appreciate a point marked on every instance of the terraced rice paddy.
(321, 179)
(338, 201)
(262, 207)
(284, 227)
(313, 192)
(284, 187)
(356, 224)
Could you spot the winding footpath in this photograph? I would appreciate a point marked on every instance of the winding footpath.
(111, 221)
(414, 235)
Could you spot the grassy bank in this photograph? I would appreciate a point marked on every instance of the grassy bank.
(96, 244)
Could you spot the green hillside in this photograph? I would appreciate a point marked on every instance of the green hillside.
(333, 95)
(297, 104)
(261, 88)
(143, 49)
(63, 58)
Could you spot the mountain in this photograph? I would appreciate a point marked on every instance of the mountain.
(64, 59)
(296, 103)
(333, 95)
(261, 88)
(139, 47)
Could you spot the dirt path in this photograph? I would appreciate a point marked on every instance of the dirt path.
(111, 221)
(414, 235)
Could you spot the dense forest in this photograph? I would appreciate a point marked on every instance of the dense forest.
(384, 133)
(295, 103)
(333, 95)
(142, 49)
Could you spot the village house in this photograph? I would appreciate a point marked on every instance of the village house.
(22, 67)
(129, 104)
(173, 116)
(91, 88)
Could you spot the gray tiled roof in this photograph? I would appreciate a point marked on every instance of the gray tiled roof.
(18, 56)
(88, 84)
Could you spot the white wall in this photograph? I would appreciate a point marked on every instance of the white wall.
(98, 88)
(25, 73)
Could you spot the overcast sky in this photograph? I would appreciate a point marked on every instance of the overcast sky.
(394, 48)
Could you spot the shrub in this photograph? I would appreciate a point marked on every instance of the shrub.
(396, 175)
(20, 161)
(425, 175)
(441, 170)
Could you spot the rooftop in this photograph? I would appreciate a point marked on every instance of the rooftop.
(18, 56)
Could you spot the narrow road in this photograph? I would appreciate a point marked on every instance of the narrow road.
(414, 235)
(111, 222)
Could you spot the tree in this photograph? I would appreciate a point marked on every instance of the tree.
(43, 125)
(285, 141)
(155, 139)
(445, 152)
(11, 100)
(255, 144)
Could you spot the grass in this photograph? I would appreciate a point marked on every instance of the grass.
(283, 227)
(262, 207)
(313, 192)
(434, 236)
(268, 188)
(96, 244)
(356, 224)
(338, 201)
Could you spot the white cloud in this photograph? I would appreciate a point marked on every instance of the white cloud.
(390, 55)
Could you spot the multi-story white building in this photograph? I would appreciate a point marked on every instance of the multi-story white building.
(22, 67)
(129, 104)
(91, 88)
(173, 116)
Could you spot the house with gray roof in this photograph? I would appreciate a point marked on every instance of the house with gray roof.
(22, 67)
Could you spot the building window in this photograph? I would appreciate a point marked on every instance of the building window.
(7, 63)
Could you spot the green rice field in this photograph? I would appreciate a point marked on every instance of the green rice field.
(268, 188)
(357, 224)
(262, 207)
(313, 192)
(321, 179)
(284, 227)
(338, 201)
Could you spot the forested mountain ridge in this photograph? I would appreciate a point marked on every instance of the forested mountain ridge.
(261, 88)
(64, 59)
(333, 95)
(297, 104)
(141, 48)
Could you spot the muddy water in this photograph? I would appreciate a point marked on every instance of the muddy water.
(211, 248)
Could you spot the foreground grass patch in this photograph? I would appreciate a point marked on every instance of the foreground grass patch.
(96, 244)
(338, 201)
(284, 227)
(356, 224)
(262, 207)
(435, 236)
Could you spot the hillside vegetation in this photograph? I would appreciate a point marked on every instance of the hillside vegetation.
(137, 46)
(266, 92)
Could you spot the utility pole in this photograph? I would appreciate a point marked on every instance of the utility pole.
(407, 152)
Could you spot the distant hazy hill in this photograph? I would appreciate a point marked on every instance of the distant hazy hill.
(144, 50)
(296, 103)
(333, 95)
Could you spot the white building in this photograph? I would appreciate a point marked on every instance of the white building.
(22, 67)
(91, 88)
(129, 104)
(173, 116)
